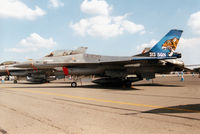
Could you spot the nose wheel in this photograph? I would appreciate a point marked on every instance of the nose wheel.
(73, 84)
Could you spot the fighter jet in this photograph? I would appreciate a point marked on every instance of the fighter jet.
(123, 70)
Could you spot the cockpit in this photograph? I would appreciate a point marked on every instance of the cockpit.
(58, 53)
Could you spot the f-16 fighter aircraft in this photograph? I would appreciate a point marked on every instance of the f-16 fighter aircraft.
(161, 58)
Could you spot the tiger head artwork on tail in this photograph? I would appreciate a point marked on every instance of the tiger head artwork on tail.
(170, 45)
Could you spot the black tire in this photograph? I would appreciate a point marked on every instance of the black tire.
(128, 84)
(73, 84)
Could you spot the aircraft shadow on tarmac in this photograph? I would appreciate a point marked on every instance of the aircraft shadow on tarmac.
(96, 86)
(134, 86)
(156, 85)
(92, 86)
(166, 111)
(84, 86)
(190, 108)
(110, 87)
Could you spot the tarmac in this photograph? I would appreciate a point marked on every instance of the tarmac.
(165, 106)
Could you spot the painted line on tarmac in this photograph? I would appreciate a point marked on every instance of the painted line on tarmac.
(107, 101)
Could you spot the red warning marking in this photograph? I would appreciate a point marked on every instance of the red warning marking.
(7, 71)
(34, 68)
(65, 70)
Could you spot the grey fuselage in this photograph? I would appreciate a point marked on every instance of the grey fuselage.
(108, 66)
(89, 64)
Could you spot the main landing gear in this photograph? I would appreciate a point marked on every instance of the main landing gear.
(73, 84)
(74, 81)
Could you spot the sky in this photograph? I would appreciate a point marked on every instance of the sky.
(31, 29)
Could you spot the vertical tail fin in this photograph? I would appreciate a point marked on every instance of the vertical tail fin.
(167, 45)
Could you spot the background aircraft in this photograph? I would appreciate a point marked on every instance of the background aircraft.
(114, 69)
(33, 74)
(7, 69)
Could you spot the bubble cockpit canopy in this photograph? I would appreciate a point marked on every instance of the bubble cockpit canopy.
(58, 53)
